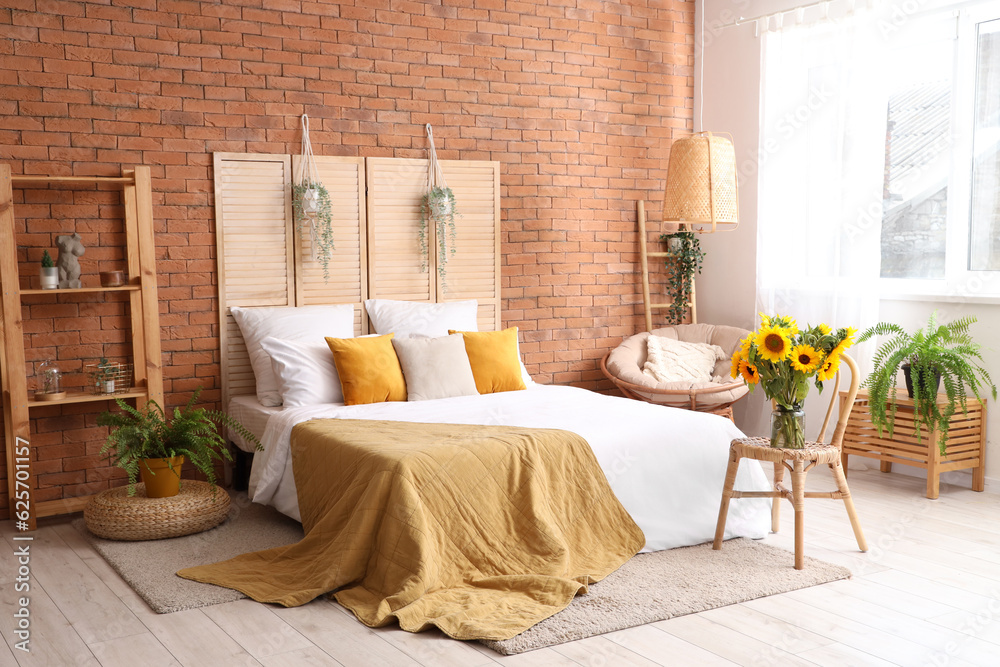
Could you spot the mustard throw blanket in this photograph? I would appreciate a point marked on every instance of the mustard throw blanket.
(482, 531)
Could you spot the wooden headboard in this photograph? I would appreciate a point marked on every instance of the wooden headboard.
(263, 261)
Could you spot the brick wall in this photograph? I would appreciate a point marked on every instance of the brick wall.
(577, 99)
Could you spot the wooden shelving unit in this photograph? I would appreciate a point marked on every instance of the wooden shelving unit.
(966, 440)
(144, 323)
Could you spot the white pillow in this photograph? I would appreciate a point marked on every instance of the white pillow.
(435, 367)
(670, 360)
(305, 372)
(407, 318)
(287, 323)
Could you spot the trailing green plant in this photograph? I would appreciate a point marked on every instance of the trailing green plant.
(47, 262)
(147, 433)
(945, 350)
(438, 207)
(682, 266)
(320, 221)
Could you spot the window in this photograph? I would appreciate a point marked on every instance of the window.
(941, 190)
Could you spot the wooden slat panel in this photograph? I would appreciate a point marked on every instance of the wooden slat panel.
(253, 222)
(344, 179)
(395, 188)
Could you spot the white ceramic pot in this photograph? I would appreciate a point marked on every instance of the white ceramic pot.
(49, 276)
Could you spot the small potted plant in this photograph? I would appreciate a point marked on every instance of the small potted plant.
(146, 444)
(438, 208)
(937, 354)
(683, 264)
(49, 272)
(104, 376)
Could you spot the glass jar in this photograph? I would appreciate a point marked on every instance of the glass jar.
(788, 427)
(49, 381)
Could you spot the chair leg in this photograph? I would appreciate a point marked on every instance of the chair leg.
(727, 494)
(798, 502)
(779, 476)
(845, 492)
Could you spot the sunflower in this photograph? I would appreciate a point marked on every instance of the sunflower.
(844, 344)
(828, 369)
(805, 358)
(773, 343)
(735, 370)
(749, 372)
(824, 328)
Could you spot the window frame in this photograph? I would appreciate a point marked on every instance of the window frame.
(960, 283)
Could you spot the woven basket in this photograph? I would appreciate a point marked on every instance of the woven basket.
(113, 515)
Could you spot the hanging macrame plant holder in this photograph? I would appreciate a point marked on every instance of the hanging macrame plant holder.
(311, 205)
(437, 208)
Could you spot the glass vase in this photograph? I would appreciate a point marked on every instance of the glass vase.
(788, 427)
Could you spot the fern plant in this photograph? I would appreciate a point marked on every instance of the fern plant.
(938, 350)
(139, 434)
(682, 266)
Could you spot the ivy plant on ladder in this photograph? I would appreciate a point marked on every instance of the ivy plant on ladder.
(311, 205)
(437, 208)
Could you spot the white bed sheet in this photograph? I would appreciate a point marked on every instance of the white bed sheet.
(666, 465)
(248, 411)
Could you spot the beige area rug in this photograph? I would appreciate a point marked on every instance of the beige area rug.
(650, 587)
(149, 567)
(664, 584)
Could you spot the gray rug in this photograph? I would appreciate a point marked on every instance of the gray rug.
(664, 584)
(649, 587)
(149, 567)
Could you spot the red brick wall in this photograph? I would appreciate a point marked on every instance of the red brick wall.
(577, 99)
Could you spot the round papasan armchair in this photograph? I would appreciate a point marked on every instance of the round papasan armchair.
(624, 367)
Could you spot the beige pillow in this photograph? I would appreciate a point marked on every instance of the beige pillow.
(435, 367)
(669, 360)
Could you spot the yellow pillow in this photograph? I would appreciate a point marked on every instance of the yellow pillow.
(369, 369)
(493, 357)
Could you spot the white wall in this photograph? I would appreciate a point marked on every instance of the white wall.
(727, 100)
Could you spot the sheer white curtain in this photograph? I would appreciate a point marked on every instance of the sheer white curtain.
(822, 156)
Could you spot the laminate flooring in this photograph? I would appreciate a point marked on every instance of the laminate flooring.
(926, 594)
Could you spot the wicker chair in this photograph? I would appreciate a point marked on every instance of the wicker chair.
(799, 462)
(623, 366)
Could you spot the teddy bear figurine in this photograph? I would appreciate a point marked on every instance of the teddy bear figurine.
(70, 248)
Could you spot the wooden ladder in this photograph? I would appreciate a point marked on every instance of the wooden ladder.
(644, 256)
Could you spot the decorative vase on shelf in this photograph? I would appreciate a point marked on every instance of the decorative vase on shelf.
(788, 427)
(50, 382)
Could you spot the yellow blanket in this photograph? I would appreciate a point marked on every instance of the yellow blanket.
(482, 531)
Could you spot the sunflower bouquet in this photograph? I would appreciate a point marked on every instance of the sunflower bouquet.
(783, 359)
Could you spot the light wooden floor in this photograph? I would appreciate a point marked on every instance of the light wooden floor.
(928, 593)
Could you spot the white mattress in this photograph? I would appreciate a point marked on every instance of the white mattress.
(248, 411)
(666, 465)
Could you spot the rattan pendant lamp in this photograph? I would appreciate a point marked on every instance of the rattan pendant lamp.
(699, 196)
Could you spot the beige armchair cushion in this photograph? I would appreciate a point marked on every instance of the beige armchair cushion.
(628, 359)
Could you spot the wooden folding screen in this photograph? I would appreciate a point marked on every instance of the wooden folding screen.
(263, 261)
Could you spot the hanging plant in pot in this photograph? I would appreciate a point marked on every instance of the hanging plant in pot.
(935, 355)
(146, 444)
(438, 210)
(311, 206)
(683, 264)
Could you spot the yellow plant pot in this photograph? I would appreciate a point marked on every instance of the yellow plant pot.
(162, 482)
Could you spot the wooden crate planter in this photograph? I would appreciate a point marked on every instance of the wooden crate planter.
(966, 441)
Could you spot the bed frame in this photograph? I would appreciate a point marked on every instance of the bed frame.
(264, 261)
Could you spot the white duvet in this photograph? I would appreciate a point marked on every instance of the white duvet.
(666, 465)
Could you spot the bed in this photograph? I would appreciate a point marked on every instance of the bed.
(279, 325)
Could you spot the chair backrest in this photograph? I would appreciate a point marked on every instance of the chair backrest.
(845, 407)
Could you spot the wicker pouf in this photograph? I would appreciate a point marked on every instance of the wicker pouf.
(113, 515)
